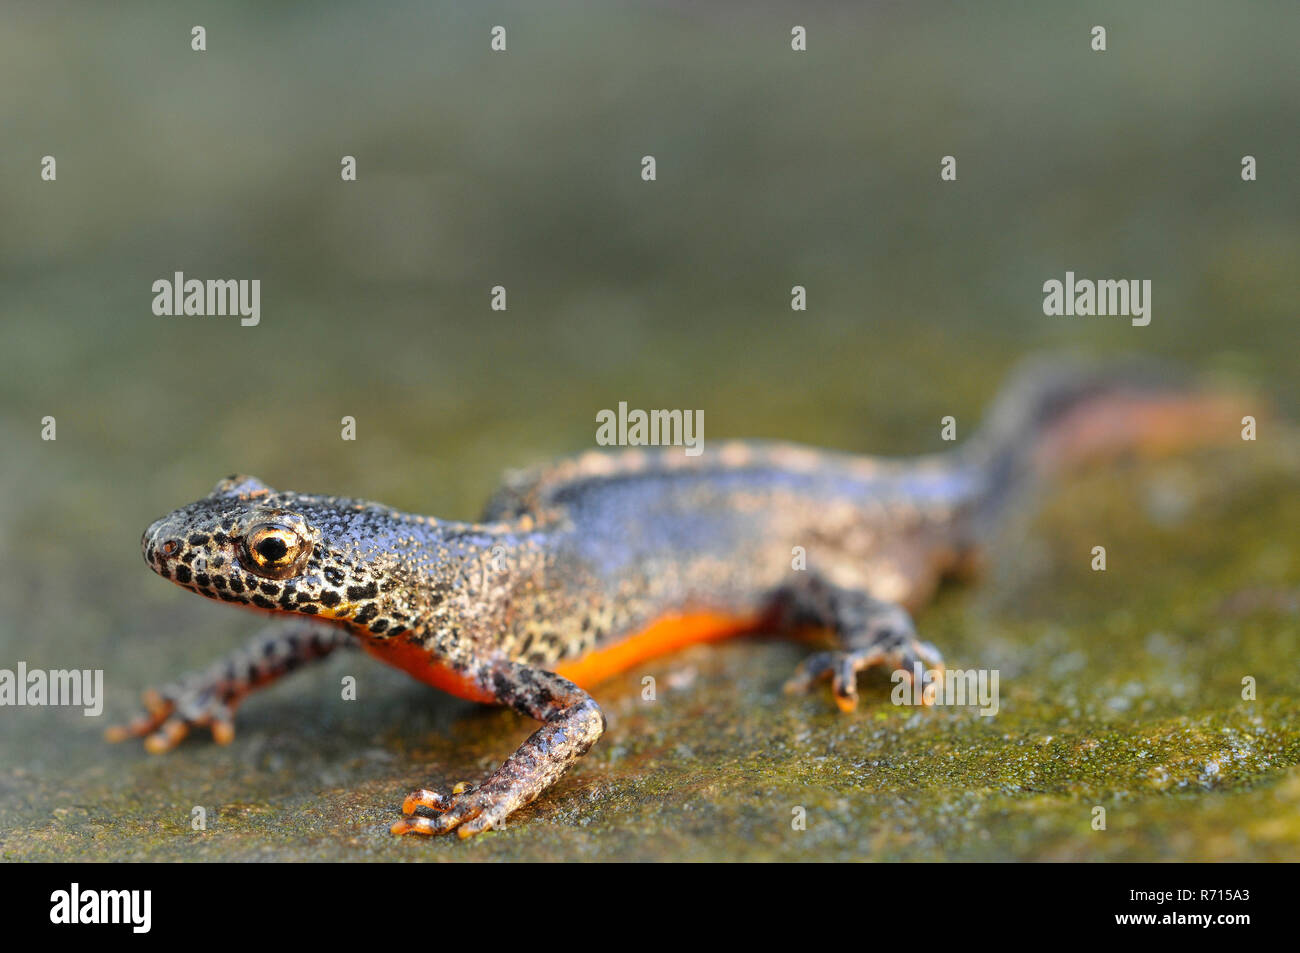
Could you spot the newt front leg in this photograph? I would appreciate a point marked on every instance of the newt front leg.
(209, 698)
(572, 724)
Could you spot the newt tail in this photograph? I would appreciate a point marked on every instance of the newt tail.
(594, 564)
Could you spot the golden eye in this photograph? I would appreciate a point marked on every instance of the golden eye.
(273, 550)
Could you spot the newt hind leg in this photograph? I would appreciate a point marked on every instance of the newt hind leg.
(868, 632)
(572, 722)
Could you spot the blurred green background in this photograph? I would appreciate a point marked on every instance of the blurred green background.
(775, 168)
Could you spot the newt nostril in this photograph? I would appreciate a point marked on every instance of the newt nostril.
(154, 545)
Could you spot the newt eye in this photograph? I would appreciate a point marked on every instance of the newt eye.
(274, 550)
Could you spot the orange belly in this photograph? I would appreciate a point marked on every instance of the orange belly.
(664, 635)
(419, 664)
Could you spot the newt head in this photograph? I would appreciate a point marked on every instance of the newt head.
(330, 558)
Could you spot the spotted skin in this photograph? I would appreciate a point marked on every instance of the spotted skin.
(593, 564)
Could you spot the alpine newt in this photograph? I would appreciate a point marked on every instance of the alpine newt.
(588, 566)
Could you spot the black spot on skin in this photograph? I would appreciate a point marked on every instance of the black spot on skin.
(216, 562)
(286, 599)
(188, 558)
(304, 597)
(334, 576)
(220, 539)
(164, 572)
(309, 610)
(270, 588)
(329, 597)
(263, 602)
(183, 574)
(227, 597)
(236, 584)
(219, 582)
(379, 625)
(199, 539)
(202, 579)
(397, 630)
(368, 613)
(368, 591)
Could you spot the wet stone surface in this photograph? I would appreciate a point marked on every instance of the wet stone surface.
(1119, 690)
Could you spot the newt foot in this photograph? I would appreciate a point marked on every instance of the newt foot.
(842, 668)
(468, 811)
(168, 718)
